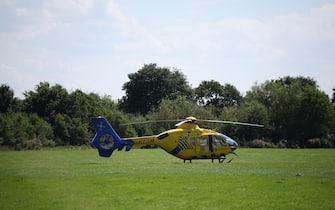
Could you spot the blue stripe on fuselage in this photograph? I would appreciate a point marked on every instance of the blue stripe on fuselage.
(175, 151)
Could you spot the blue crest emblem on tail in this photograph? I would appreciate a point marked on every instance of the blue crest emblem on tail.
(106, 140)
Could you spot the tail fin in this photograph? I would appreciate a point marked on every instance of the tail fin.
(106, 140)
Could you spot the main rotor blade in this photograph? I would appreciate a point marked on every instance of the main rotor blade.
(149, 121)
(181, 121)
(232, 122)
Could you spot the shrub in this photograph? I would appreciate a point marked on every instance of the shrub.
(34, 144)
(319, 143)
(259, 143)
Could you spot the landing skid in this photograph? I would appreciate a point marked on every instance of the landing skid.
(219, 159)
(222, 159)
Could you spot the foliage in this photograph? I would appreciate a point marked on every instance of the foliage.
(7, 100)
(70, 131)
(149, 86)
(212, 93)
(297, 109)
(179, 108)
(259, 143)
(21, 130)
(315, 118)
(293, 110)
(54, 117)
(46, 101)
(253, 112)
(321, 143)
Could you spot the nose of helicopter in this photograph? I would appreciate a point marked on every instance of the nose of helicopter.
(232, 143)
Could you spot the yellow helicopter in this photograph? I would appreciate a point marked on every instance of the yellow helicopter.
(187, 141)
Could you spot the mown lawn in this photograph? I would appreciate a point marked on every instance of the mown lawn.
(153, 179)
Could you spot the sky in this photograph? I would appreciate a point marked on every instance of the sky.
(93, 45)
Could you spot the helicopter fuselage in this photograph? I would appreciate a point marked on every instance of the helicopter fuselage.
(188, 142)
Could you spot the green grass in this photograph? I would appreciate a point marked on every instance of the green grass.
(153, 179)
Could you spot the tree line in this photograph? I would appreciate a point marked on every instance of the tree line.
(294, 111)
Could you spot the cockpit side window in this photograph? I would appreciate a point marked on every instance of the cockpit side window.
(219, 141)
(192, 140)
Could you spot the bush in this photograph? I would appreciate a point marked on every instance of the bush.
(33, 144)
(48, 143)
(319, 143)
(259, 143)
(282, 143)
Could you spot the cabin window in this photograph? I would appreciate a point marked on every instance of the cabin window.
(203, 141)
(162, 136)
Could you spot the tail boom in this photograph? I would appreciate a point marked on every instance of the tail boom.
(143, 141)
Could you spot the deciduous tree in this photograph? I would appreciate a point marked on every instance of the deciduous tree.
(7, 99)
(147, 87)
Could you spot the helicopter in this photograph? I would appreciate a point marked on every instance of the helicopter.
(187, 141)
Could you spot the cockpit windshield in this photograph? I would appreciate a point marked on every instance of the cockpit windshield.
(229, 140)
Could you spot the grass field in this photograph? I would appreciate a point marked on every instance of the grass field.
(153, 179)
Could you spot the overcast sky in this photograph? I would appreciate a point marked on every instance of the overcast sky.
(93, 45)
